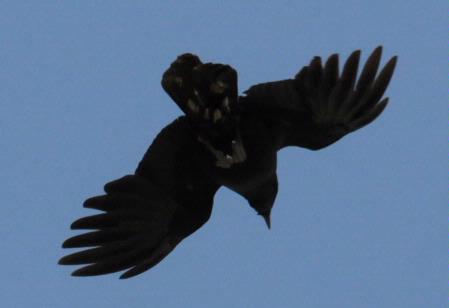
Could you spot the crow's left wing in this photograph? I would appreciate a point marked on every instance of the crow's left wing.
(132, 233)
(146, 214)
(319, 106)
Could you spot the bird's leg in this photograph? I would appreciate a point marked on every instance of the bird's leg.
(223, 161)
(227, 160)
(238, 150)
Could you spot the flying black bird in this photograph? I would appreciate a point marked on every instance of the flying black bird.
(222, 140)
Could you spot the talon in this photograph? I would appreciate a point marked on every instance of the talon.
(222, 160)
(225, 161)
(223, 164)
(238, 152)
(217, 115)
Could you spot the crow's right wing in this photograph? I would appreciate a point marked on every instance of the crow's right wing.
(320, 106)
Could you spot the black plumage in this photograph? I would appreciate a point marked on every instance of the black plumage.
(222, 140)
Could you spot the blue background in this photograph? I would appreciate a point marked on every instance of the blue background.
(362, 223)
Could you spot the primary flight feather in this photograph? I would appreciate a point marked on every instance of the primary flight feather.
(222, 140)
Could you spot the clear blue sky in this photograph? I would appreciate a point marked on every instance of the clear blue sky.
(360, 224)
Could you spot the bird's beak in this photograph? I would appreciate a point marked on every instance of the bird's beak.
(266, 217)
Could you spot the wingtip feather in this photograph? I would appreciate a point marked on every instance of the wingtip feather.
(371, 116)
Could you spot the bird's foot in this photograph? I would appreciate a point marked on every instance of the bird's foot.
(223, 160)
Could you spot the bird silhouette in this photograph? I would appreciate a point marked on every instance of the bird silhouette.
(222, 139)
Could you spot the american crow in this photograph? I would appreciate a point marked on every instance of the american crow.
(222, 140)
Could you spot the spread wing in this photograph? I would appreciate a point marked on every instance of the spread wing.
(319, 106)
(145, 215)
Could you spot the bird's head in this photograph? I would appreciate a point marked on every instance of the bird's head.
(262, 197)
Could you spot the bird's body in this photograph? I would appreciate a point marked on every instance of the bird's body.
(223, 140)
(189, 172)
